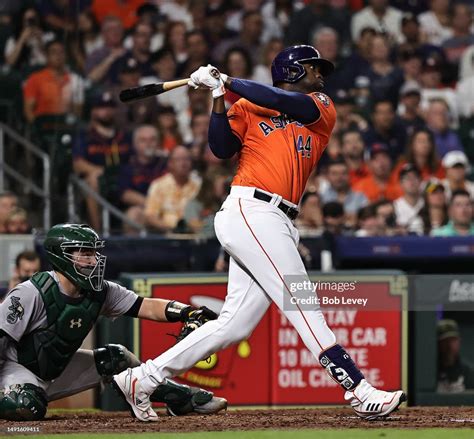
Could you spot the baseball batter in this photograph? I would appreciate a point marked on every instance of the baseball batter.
(44, 321)
(279, 133)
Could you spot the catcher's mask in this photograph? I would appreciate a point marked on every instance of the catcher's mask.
(72, 249)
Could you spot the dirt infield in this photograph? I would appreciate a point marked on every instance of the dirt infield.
(417, 417)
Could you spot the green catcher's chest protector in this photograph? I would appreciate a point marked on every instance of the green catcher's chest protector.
(47, 351)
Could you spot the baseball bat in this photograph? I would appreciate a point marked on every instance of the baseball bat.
(145, 91)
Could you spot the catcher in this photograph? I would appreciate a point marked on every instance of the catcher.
(44, 321)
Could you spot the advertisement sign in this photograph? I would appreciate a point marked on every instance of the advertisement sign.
(273, 367)
(372, 337)
(239, 372)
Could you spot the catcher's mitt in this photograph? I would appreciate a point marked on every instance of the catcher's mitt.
(194, 318)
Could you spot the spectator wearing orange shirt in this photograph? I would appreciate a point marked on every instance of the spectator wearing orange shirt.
(124, 10)
(53, 90)
(381, 182)
(353, 153)
(421, 151)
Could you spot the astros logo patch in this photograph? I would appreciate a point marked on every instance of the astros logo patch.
(323, 98)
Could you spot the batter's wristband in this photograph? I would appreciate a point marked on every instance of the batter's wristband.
(174, 311)
(219, 91)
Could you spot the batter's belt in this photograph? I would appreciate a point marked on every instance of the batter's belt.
(290, 211)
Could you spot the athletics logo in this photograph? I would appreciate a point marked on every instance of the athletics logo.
(16, 309)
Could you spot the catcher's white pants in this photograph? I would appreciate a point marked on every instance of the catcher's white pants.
(262, 242)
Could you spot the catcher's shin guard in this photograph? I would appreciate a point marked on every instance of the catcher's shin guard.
(180, 399)
(113, 359)
(23, 402)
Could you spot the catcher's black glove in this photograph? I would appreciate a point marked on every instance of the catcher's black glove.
(194, 318)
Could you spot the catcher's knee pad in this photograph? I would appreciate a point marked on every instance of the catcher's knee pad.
(180, 398)
(113, 359)
(23, 402)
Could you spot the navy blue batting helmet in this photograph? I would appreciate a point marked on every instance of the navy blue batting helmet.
(287, 65)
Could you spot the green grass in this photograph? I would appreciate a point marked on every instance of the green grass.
(430, 433)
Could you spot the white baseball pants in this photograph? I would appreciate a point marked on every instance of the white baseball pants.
(262, 242)
(80, 374)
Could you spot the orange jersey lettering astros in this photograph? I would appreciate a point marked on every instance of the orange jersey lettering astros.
(279, 153)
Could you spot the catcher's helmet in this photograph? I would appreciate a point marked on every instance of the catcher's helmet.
(286, 67)
(62, 241)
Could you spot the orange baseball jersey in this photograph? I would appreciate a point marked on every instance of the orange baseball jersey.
(278, 153)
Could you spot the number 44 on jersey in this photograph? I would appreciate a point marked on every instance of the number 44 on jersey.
(303, 146)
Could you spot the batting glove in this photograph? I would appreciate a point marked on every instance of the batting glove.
(192, 84)
(209, 77)
(222, 77)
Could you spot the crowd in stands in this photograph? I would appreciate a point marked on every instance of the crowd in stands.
(398, 162)
(13, 219)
